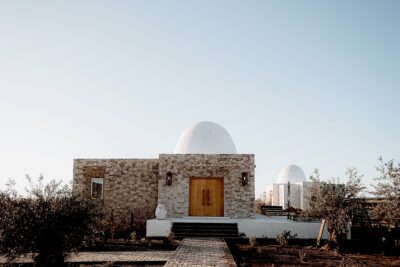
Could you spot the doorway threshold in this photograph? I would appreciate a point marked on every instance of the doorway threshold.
(201, 219)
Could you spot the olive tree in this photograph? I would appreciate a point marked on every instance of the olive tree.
(334, 202)
(48, 223)
(388, 189)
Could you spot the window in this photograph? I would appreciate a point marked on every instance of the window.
(97, 187)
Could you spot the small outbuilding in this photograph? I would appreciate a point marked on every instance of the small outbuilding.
(290, 188)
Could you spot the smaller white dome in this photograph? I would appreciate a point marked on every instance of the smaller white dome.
(291, 173)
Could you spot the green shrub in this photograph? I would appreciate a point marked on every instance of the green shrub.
(49, 223)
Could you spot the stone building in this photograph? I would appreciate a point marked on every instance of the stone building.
(204, 177)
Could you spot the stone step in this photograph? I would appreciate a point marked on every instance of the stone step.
(205, 229)
(201, 227)
(204, 233)
(179, 233)
(191, 234)
(214, 225)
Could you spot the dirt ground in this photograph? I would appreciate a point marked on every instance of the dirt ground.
(276, 255)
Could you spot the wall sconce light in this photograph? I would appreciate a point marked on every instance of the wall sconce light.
(245, 178)
(169, 178)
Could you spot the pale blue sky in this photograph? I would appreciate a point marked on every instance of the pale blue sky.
(314, 83)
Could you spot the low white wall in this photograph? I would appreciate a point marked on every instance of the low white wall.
(158, 228)
(270, 228)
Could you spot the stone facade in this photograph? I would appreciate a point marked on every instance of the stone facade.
(130, 188)
(133, 187)
(238, 199)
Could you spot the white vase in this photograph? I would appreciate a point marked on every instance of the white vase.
(161, 212)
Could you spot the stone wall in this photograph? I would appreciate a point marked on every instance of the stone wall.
(133, 187)
(130, 188)
(238, 199)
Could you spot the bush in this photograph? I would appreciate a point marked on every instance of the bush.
(50, 222)
(303, 256)
(133, 236)
(283, 238)
(253, 242)
(171, 236)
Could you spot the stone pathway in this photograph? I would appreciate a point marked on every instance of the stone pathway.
(116, 256)
(109, 256)
(192, 252)
(202, 252)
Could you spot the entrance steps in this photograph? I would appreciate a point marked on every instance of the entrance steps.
(202, 229)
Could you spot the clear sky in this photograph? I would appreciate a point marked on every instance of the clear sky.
(314, 83)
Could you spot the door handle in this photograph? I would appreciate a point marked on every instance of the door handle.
(206, 198)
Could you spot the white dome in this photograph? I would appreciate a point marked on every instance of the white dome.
(291, 173)
(205, 138)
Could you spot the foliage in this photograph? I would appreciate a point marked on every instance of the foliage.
(253, 242)
(335, 203)
(133, 236)
(257, 205)
(283, 238)
(303, 256)
(171, 236)
(388, 188)
(49, 222)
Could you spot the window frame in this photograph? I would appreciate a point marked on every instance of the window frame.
(97, 180)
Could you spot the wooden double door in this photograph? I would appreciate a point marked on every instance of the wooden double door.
(206, 197)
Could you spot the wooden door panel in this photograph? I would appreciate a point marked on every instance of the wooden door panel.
(206, 197)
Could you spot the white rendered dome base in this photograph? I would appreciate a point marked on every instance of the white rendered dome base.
(291, 173)
(205, 138)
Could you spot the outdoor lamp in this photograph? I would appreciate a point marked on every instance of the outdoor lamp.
(245, 178)
(169, 178)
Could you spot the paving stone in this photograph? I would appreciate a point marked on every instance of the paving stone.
(199, 252)
(202, 252)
